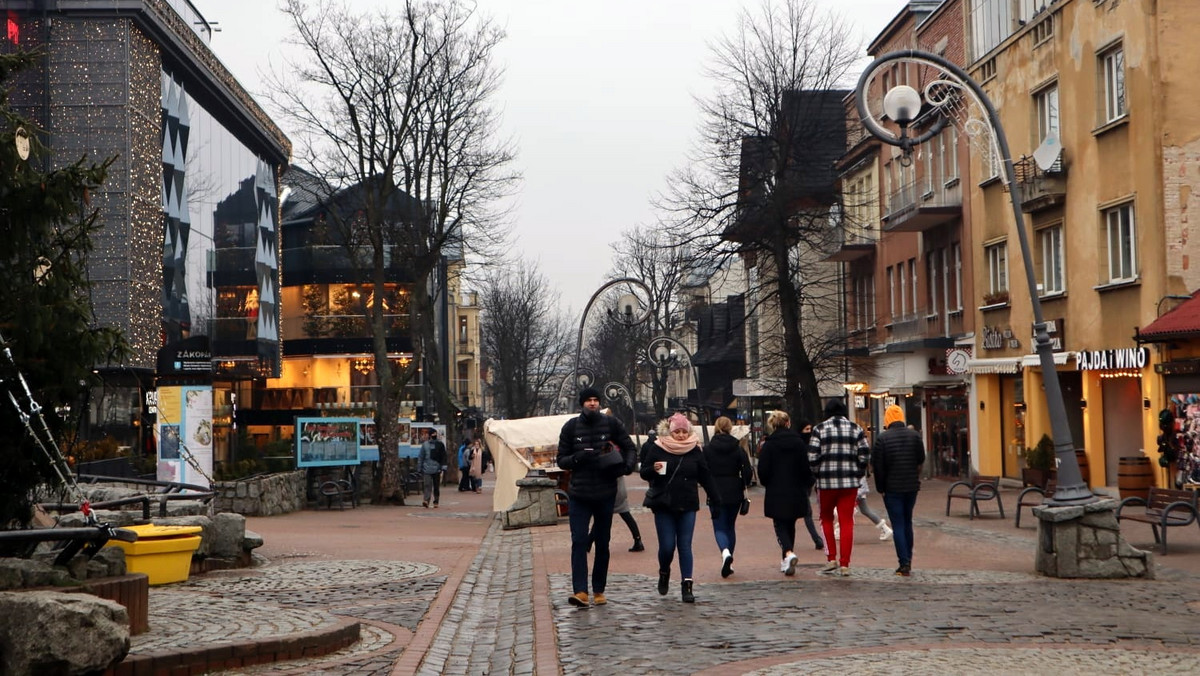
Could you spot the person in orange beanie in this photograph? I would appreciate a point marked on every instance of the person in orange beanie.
(896, 460)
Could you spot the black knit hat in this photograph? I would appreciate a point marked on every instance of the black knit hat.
(588, 393)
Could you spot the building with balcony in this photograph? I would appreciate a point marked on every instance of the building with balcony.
(904, 245)
(188, 254)
(1099, 107)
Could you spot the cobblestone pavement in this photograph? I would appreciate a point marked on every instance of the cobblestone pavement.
(941, 620)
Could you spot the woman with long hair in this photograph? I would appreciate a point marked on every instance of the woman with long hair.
(732, 473)
(675, 466)
(784, 472)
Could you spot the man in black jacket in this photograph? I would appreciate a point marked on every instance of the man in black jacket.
(896, 461)
(585, 448)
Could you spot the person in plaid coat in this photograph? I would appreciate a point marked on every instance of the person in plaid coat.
(838, 453)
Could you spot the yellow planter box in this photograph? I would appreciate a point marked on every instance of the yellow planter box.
(163, 553)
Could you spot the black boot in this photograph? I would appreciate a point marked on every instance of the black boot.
(688, 597)
(637, 546)
(664, 580)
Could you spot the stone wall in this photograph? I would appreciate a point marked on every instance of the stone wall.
(266, 495)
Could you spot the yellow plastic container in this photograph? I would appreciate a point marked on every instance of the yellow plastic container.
(163, 553)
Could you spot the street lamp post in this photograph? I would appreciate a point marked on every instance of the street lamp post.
(628, 306)
(903, 106)
(662, 352)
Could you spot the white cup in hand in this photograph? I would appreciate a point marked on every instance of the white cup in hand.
(660, 467)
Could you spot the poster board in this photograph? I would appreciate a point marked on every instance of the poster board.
(184, 428)
(368, 441)
(324, 442)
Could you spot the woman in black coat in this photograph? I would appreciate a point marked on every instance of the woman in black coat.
(784, 472)
(675, 466)
(731, 471)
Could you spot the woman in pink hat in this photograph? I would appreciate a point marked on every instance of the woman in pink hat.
(675, 465)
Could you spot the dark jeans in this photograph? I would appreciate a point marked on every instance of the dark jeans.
(724, 527)
(900, 510)
(433, 483)
(785, 534)
(675, 533)
(594, 516)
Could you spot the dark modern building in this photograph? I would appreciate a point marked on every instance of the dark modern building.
(187, 262)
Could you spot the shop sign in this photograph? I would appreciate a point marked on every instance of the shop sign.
(860, 401)
(1174, 368)
(996, 338)
(1102, 360)
(1056, 328)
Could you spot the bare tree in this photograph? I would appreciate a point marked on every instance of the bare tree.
(525, 338)
(761, 184)
(393, 112)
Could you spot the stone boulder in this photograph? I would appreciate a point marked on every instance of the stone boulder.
(46, 632)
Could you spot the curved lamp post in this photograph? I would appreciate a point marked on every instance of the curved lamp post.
(903, 105)
(663, 352)
(630, 311)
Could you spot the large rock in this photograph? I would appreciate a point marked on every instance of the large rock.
(228, 532)
(46, 632)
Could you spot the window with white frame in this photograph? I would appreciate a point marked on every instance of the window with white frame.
(1046, 101)
(864, 302)
(1050, 249)
(912, 269)
(891, 288)
(902, 282)
(933, 265)
(1112, 70)
(957, 288)
(946, 147)
(1121, 237)
(997, 266)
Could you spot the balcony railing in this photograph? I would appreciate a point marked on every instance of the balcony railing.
(339, 326)
(923, 204)
(1041, 189)
(923, 324)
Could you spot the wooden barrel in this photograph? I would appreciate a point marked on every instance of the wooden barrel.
(1081, 458)
(1135, 476)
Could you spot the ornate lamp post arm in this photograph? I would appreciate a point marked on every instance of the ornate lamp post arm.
(941, 94)
(633, 320)
(655, 359)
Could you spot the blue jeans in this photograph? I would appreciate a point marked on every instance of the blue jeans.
(580, 515)
(900, 511)
(675, 533)
(724, 523)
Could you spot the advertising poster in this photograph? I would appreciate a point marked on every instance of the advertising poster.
(420, 432)
(407, 447)
(323, 442)
(184, 430)
(368, 442)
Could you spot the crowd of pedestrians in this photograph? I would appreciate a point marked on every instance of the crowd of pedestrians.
(832, 458)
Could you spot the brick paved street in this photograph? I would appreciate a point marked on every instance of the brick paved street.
(449, 592)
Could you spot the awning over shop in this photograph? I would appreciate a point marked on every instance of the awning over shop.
(1060, 359)
(1181, 322)
(994, 365)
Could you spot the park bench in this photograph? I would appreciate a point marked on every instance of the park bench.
(87, 538)
(980, 488)
(1162, 508)
(1034, 496)
(339, 489)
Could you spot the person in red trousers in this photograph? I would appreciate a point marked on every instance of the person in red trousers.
(838, 453)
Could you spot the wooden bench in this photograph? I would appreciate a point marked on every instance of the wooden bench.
(979, 488)
(1163, 508)
(1034, 496)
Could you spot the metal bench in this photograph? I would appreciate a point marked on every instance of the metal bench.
(1034, 496)
(1163, 508)
(87, 538)
(339, 490)
(979, 489)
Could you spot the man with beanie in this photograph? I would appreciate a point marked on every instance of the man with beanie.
(584, 448)
(432, 461)
(838, 453)
(896, 461)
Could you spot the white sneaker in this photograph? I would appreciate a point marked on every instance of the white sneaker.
(885, 532)
(783, 565)
(789, 564)
(844, 571)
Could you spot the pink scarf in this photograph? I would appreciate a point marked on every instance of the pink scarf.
(673, 447)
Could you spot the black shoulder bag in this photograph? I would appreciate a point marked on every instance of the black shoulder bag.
(657, 496)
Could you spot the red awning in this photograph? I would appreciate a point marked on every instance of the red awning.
(1181, 322)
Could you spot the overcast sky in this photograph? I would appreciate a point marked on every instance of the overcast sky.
(598, 96)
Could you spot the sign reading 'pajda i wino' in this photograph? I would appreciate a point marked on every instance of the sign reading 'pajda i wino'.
(1125, 358)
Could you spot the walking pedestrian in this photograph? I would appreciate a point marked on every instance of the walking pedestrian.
(675, 466)
(885, 532)
(784, 472)
(731, 472)
(838, 454)
(475, 465)
(585, 449)
(464, 475)
(896, 460)
(432, 461)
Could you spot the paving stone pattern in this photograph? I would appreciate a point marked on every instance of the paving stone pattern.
(642, 632)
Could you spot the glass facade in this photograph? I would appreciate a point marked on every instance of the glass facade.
(220, 249)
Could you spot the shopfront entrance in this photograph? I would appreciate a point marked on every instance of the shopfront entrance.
(948, 440)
